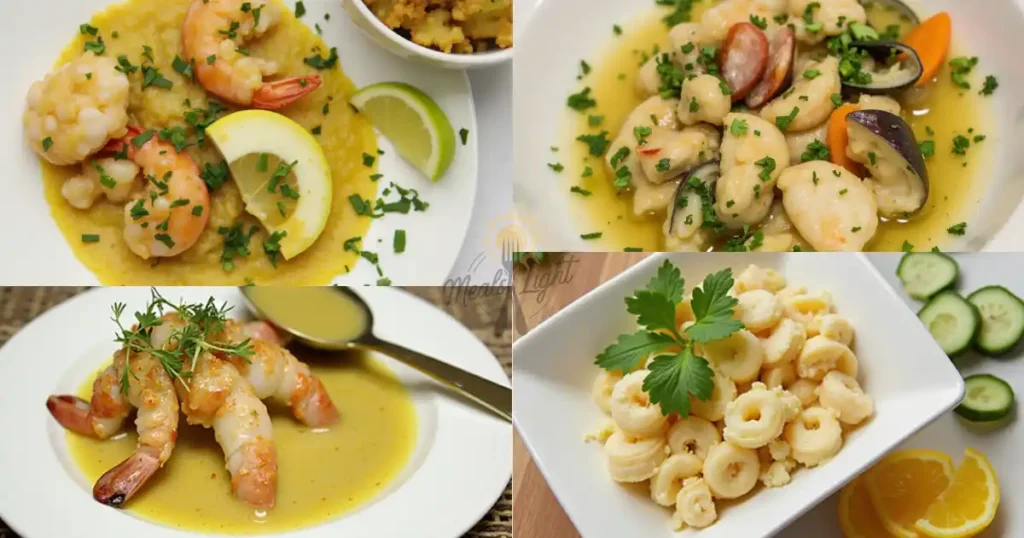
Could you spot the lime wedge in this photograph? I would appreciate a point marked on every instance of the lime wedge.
(281, 172)
(413, 122)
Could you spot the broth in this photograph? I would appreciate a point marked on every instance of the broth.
(956, 182)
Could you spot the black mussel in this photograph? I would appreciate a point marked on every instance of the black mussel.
(896, 68)
(906, 14)
(699, 180)
(884, 143)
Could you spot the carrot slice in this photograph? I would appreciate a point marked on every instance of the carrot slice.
(930, 40)
(837, 139)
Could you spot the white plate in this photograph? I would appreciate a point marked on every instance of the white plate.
(901, 367)
(434, 236)
(461, 464)
(1001, 444)
(547, 61)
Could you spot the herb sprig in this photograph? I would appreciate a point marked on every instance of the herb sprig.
(200, 324)
(678, 372)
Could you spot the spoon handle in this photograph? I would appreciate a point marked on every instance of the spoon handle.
(495, 397)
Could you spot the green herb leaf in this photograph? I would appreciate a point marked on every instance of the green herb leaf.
(713, 308)
(674, 378)
(630, 349)
(668, 282)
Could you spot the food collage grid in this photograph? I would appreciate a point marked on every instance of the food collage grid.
(512, 269)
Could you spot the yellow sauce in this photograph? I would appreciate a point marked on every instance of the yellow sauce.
(955, 189)
(345, 137)
(321, 475)
(321, 313)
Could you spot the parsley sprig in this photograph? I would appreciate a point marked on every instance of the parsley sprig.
(200, 324)
(680, 372)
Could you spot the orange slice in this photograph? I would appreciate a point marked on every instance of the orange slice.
(857, 515)
(903, 485)
(968, 505)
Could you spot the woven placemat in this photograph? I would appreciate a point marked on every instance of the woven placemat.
(478, 308)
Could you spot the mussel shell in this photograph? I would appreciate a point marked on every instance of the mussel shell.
(706, 172)
(904, 10)
(896, 132)
(910, 72)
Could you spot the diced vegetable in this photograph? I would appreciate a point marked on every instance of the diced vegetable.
(837, 139)
(930, 40)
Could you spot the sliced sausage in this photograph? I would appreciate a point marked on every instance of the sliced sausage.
(743, 58)
(779, 74)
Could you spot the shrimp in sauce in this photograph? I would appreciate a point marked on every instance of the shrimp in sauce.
(150, 390)
(214, 33)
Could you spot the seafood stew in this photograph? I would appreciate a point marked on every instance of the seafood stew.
(352, 413)
(672, 97)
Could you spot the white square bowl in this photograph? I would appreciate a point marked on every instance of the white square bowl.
(901, 367)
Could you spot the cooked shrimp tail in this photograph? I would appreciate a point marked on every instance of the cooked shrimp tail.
(125, 479)
(281, 93)
(214, 35)
(255, 481)
(71, 412)
(151, 391)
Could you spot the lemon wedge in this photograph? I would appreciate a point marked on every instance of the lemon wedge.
(281, 172)
(413, 122)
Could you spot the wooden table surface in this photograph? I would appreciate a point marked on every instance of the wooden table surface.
(541, 291)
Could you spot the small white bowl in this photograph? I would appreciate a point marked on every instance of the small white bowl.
(396, 44)
(901, 367)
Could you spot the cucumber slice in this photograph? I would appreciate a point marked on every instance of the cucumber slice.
(924, 274)
(1002, 319)
(953, 321)
(986, 398)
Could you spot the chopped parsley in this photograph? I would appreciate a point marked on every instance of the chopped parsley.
(557, 167)
(463, 135)
(300, 9)
(767, 165)
(183, 68)
(960, 145)
(592, 235)
(783, 121)
(641, 132)
(581, 101)
(236, 244)
(663, 165)
(816, 151)
(90, 238)
(837, 99)
(738, 127)
(927, 148)
(597, 144)
(398, 243)
(990, 85)
(47, 143)
(317, 62)
(760, 22)
(97, 47)
(961, 66)
(957, 229)
(811, 74)
(579, 190)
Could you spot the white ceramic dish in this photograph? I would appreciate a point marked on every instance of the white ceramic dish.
(461, 464)
(902, 368)
(387, 38)
(435, 236)
(548, 60)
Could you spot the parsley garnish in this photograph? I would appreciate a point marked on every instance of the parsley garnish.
(675, 377)
(927, 148)
(959, 228)
(738, 127)
(990, 85)
(319, 63)
(783, 121)
(597, 144)
(581, 101)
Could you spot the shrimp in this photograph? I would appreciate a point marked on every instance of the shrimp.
(150, 390)
(168, 217)
(275, 373)
(110, 177)
(213, 34)
(217, 396)
(76, 109)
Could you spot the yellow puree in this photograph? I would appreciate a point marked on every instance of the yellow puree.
(321, 475)
(954, 189)
(344, 136)
(322, 313)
